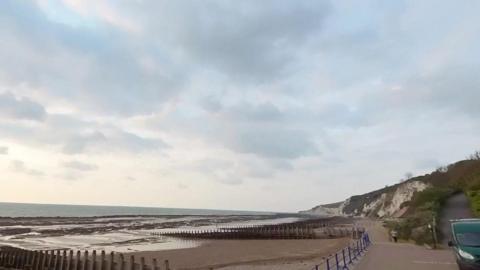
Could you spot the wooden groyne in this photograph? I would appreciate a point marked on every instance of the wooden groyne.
(306, 231)
(11, 258)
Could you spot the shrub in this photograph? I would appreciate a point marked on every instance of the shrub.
(474, 197)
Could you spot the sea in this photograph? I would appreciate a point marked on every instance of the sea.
(64, 210)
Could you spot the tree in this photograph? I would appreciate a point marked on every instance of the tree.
(475, 156)
(408, 175)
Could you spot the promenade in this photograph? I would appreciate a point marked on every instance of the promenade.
(386, 255)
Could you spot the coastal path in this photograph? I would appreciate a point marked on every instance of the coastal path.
(386, 255)
(456, 207)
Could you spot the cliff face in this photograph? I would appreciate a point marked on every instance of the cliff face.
(393, 201)
(386, 202)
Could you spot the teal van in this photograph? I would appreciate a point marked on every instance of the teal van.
(466, 243)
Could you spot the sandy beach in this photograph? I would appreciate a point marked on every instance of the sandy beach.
(249, 254)
(133, 236)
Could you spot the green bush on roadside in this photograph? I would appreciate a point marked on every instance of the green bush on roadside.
(474, 197)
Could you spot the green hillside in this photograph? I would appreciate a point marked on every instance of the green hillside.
(462, 176)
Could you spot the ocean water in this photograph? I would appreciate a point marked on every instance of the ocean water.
(62, 210)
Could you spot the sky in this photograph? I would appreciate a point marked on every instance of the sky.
(250, 105)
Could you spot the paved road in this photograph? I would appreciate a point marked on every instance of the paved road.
(455, 207)
(385, 255)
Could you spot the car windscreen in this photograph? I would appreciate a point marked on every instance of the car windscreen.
(471, 239)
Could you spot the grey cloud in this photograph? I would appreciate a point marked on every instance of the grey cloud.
(3, 150)
(262, 112)
(274, 143)
(137, 143)
(20, 108)
(74, 136)
(230, 179)
(454, 87)
(250, 40)
(19, 166)
(77, 144)
(101, 70)
(80, 166)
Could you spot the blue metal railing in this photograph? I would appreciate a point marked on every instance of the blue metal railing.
(346, 256)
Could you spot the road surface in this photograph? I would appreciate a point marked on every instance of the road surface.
(455, 207)
(386, 255)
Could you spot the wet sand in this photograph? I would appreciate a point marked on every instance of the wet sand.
(249, 254)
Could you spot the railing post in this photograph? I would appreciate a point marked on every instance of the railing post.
(349, 255)
(344, 260)
(336, 262)
(328, 263)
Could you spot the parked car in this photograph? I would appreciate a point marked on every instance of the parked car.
(466, 243)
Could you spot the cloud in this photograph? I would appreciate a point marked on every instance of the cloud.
(3, 150)
(80, 166)
(19, 166)
(72, 135)
(274, 143)
(182, 186)
(249, 40)
(20, 108)
(103, 61)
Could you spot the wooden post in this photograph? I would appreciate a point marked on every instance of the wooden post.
(132, 262)
(8, 259)
(77, 261)
(51, 257)
(167, 265)
(11, 258)
(33, 256)
(63, 260)
(56, 263)
(25, 260)
(44, 260)
(18, 258)
(85, 260)
(102, 260)
(16, 261)
(36, 260)
(142, 263)
(154, 264)
(112, 262)
(94, 260)
(69, 261)
(29, 262)
(122, 262)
